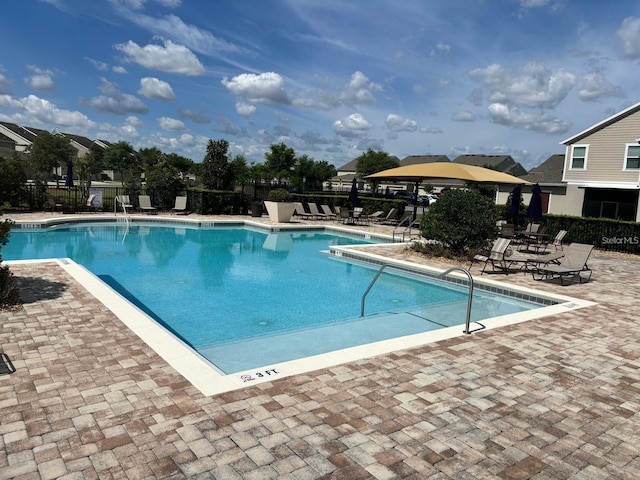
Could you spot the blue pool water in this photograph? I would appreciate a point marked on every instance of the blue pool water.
(224, 289)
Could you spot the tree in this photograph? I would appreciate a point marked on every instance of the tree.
(371, 162)
(48, 152)
(12, 180)
(309, 175)
(240, 172)
(150, 157)
(8, 286)
(86, 167)
(215, 168)
(122, 158)
(280, 161)
(183, 164)
(461, 220)
(164, 183)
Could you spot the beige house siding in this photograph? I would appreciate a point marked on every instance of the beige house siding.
(606, 154)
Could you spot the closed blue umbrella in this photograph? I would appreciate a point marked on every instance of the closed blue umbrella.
(534, 210)
(353, 194)
(514, 209)
(68, 182)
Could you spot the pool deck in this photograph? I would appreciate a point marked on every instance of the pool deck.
(553, 398)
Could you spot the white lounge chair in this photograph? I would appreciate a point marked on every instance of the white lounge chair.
(573, 264)
(180, 206)
(145, 204)
(495, 257)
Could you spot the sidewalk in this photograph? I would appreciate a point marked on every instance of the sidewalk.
(554, 398)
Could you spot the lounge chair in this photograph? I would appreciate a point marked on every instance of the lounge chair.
(344, 215)
(507, 230)
(573, 264)
(391, 218)
(124, 201)
(90, 202)
(313, 210)
(145, 204)
(180, 206)
(495, 257)
(327, 211)
(300, 212)
(530, 261)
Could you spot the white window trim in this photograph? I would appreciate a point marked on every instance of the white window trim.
(626, 158)
(586, 156)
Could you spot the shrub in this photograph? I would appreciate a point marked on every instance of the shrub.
(461, 220)
(279, 195)
(8, 286)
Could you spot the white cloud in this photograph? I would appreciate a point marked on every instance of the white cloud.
(38, 110)
(171, 124)
(464, 116)
(114, 101)
(119, 69)
(359, 90)
(97, 64)
(156, 89)
(396, 123)
(245, 109)
(629, 34)
(40, 79)
(266, 87)
(594, 87)
(534, 85)
(7, 101)
(172, 58)
(354, 125)
(539, 122)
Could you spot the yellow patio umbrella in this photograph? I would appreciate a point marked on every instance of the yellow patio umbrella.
(445, 171)
(420, 172)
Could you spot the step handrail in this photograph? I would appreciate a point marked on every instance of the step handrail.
(373, 280)
(466, 272)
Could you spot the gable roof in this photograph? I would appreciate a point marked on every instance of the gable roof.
(351, 166)
(502, 163)
(548, 172)
(416, 159)
(604, 123)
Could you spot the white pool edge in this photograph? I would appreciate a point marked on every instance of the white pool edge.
(209, 380)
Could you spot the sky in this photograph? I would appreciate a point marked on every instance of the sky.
(329, 78)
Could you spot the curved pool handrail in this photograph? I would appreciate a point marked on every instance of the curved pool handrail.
(465, 271)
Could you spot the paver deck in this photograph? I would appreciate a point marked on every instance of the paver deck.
(554, 398)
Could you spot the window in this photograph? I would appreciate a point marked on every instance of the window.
(578, 157)
(632, 161)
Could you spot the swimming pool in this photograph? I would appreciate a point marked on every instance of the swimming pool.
(244, 297)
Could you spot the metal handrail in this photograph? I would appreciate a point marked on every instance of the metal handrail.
(364, 295)
(460, 269)
(124, 208)
(442, 275)
(400, 224)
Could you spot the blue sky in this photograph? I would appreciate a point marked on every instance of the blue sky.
(330, 78)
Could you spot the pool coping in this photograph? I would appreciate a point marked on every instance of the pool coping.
(207, 378)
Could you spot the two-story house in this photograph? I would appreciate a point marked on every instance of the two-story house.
(602, 168)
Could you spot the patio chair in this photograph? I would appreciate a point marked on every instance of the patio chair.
(313, 210)
(495, 257)
(300, 212)
(90, 202)
(145, 204)
(391, 218)
(327, 211)
(507, 230)
(180, 206)
(530, 261)
(573, 264)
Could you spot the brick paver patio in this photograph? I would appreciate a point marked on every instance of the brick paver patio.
(554, 398)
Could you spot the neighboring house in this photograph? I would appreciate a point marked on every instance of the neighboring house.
(19, 138)
(501, 163)
(554, 191)
(345, 175)
(602, 167)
